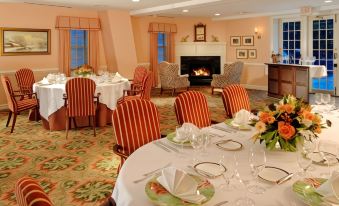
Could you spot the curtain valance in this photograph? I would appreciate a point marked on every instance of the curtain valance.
(71, 22)
(162, 27)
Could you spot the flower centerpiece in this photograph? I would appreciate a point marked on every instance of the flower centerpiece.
(83, 70)
(286, 123)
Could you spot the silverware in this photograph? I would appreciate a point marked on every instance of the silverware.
(202, 172)
(154, 171)
(284, 179)
(221, 203)
(223, 129)
(161, 146)
(168, 146)
(144, 178)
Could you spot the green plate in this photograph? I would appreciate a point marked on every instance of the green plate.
(240, 127)
(158, 195)
(306, 190)
(171, 136)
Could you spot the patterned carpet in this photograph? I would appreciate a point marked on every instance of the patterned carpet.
(82, 169)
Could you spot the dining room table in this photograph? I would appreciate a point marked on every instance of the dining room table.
(51, 103)
(129, 192)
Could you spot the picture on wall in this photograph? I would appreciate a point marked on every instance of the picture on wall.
(248, 40)
(241, 53)
(235, 40)
(252, 53)
(15, 41)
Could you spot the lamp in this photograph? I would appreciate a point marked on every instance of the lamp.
(256, 32)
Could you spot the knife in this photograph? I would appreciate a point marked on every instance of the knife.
(284, 179)
(222, 129)
(162, 147)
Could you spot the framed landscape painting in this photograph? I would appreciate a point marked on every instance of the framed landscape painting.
(16, 41)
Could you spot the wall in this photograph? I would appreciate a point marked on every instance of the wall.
(254, 71)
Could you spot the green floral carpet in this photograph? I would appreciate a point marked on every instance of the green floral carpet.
(82, 169)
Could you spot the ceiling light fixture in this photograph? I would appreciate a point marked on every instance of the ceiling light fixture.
(185, 10)
(135, 0)
(216, 14)
(328, 1)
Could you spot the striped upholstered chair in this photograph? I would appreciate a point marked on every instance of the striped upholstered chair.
(29, 193)
(144, 92)
(79, 101)
(16, 105)
(139, 74)
(135, 123)
(191, 107)
(25, 79)
(235, 98)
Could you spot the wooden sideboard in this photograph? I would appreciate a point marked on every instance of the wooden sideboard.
(286, 79)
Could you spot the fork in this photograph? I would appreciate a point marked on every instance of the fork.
(154, 171)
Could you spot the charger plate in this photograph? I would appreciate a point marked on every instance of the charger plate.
(305, 189)
(213, 169)
(229, 145)
(170, 137)
(318, 159)
(230, 123)
(272, 174)
(158, 195)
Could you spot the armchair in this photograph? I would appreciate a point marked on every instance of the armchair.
(170, 79)
(232, 75)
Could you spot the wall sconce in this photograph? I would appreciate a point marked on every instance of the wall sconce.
(256, 32)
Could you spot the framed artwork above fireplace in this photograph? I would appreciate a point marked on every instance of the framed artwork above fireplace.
(200, 32)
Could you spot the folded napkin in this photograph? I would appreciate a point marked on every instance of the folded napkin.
(185, 130)
(181, 185)
(44, 81)
(117, 78)
(242, 117)
(330, 189)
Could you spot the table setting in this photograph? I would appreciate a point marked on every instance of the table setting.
(249, 160)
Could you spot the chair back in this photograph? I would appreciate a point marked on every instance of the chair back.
(25, 79)
(80, 97)
(6, 83)
(191, 106)
(235, 98)
(146, 86)
(29, 193)
(233, 72)
(139, 74)
(135, 123)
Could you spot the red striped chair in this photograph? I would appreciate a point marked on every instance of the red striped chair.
(29, 193)
(79, 101)
(144, 92)
(235, 98)
(135, 123)
(25, 79)
(139, 74)
(191, 106)
(15, 105)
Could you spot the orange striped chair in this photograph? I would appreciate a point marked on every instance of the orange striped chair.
(29, 193)
(79, 101)
(191, 106)
(144, 92)
(15, 105)
(135, 123)
(139, 74)
(25, 79)
(235, 98)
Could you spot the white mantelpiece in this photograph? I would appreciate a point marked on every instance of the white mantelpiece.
(201, 49)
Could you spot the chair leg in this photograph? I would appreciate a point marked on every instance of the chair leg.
(188, 88)
(67, 126)
(75, 123)
(161, 90)
(13, 123)
(36, 113)
(173, 91)
(212, 90)
(94, 125)
(9, 118)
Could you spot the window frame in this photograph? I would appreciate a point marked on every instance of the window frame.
(76, 47)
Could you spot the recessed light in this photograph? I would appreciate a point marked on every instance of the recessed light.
(328, 1)
(185, 10)
(135, 0)
(216, 14)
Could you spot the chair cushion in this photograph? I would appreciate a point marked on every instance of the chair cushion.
(26, 104)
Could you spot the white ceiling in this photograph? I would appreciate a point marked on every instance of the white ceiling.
(227, 8)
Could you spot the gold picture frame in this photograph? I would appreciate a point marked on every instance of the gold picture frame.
(235, 40)
(252, 53)
(200, 32)
(24, 41)
(248, 40)
(242, 54)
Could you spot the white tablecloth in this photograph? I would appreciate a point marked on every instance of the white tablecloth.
(149, 157)
(317, 71)
(51, 96)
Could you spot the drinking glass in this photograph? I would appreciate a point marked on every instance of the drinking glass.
(257, 161)
(317, 98)
(303, 162)
(329, 151)
(197, 143)
(206, 140)
(326, 100)
(308, 148)
(182, 136)
(228, 174)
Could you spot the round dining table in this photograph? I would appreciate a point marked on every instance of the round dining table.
(150, 157)
(51, 103)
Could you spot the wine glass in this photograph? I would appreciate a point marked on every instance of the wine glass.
(303, 162)
(181, 134)
(257, 161)
(326, 100)
(197, 143)
(308, 148)
(206, 140)
(317, 98)
(329, 152)
(228, 174)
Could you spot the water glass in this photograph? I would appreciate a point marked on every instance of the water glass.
(181, 137)
(303, 162)
(317, 98)
(197, 144)
(329, 151)
(228, 174)
(257, 161)
(206, 141)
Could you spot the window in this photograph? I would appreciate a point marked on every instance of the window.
(162, 47)
(323, 52)
(79, 48)
(291, 42)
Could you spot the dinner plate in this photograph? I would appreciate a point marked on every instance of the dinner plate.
(305, 189)
(273, 174)
(170, 137)
(210, 169)
(230, 123)
(158, 195)
(317, 158)
(229, 145)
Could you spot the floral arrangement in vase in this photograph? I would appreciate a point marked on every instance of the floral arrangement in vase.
(286, 123)
(83, 70)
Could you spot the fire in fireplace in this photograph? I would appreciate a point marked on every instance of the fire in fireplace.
(201, 72)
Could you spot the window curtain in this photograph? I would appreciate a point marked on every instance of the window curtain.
(170, 30)
(66, 23)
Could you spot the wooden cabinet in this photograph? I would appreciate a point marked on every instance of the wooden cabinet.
(286, 79)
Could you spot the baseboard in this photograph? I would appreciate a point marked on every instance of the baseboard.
(255, 87)
(3, 106)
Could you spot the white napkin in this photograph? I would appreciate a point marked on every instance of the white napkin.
(184, 129)
(330, 189)
(44, 81)
(242, 117)
(181, 185)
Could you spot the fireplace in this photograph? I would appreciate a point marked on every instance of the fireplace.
(200, 68)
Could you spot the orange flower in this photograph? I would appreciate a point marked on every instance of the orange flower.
(317, 129)
(308, 115)
(266, 117)
(260, 126)
(288, 108)
(317, 119)
(270, 119)
(285, 130)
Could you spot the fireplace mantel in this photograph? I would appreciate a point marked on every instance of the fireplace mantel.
(201, 49)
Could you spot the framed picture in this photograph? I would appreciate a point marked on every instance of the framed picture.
(248, 40)
(235, 40)
(252, 53)
(15, 41)
(241, 53)
(200, 32)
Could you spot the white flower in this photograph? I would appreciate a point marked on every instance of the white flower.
(306, 122)
(307, 134)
